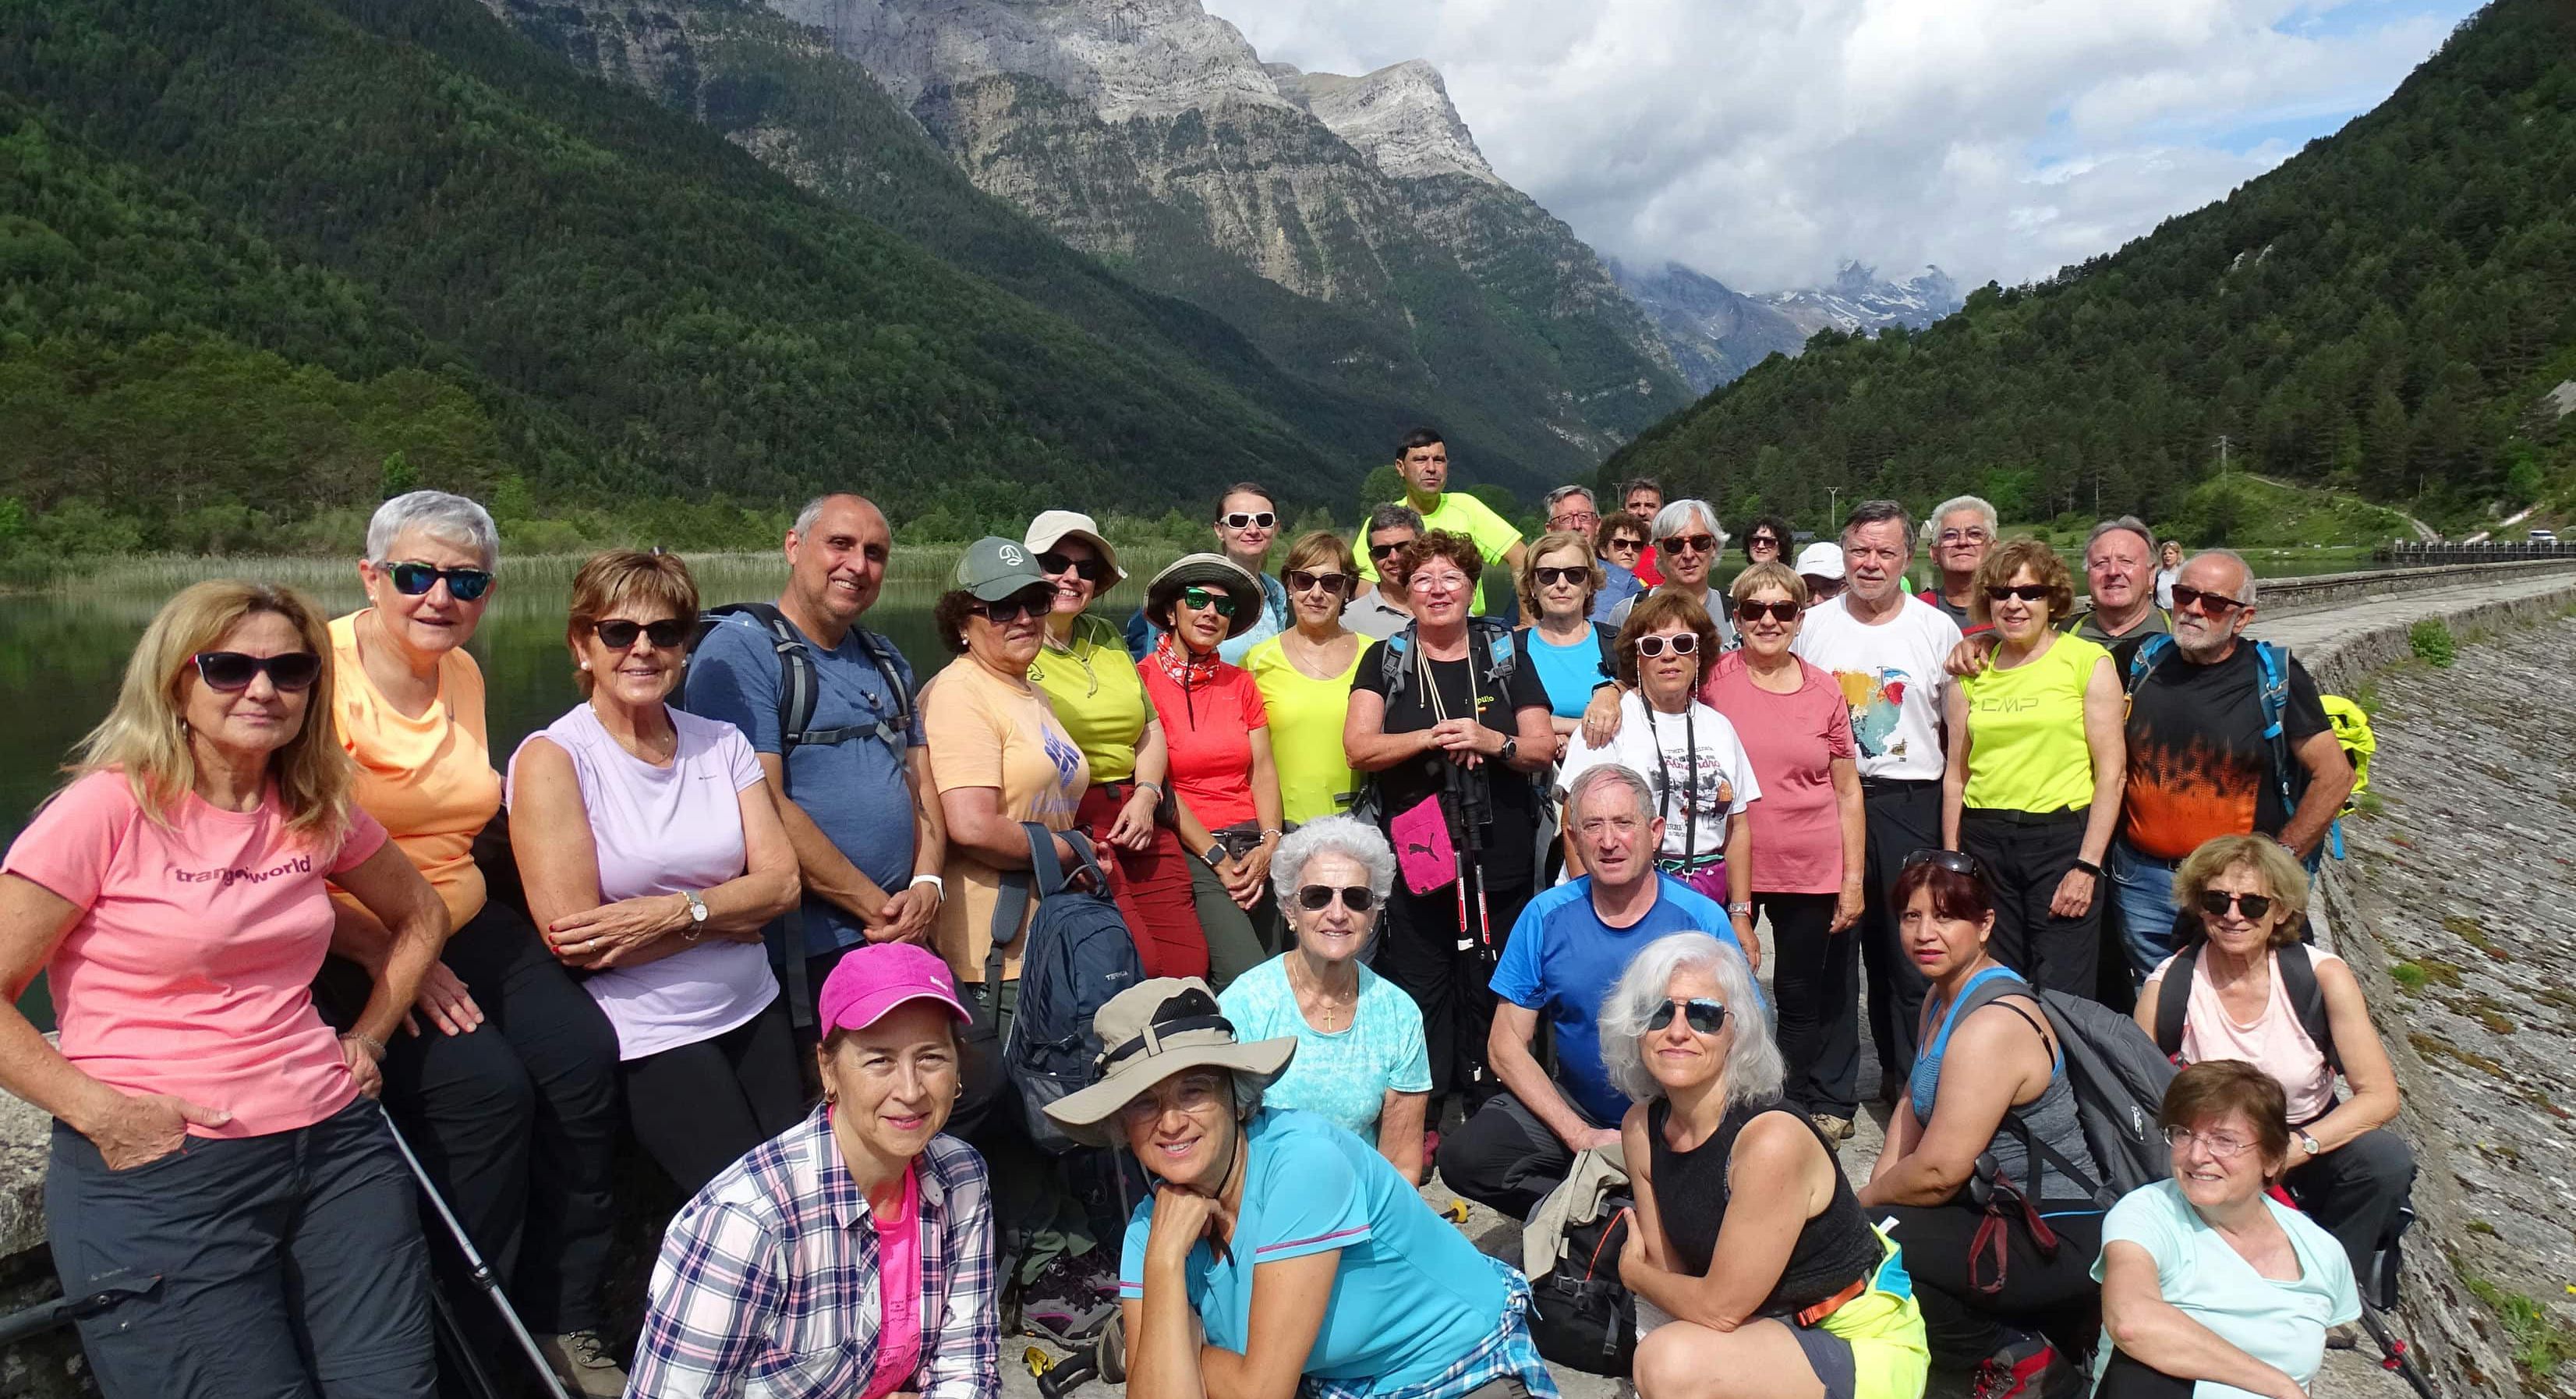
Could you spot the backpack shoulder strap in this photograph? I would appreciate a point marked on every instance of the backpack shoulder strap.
(2151, 653)
(798, 691)
(2173, 997)
(881, 653)
(1501, 655)
(2307, 999)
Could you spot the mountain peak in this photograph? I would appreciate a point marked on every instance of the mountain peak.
(1399, 116)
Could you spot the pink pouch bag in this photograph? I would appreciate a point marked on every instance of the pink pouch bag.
(1422, 848)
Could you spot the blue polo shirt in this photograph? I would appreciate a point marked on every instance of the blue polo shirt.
(1562, 960)
(855, 790)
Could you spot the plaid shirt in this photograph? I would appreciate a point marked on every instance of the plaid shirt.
(767, 1283)
(1510, 1353)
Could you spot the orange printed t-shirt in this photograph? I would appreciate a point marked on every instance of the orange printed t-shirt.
(428, 780)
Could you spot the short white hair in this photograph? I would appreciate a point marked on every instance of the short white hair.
(450, 519)
(1957, 503)
(1676, 517)
(1753, 1066)
(1604, 775)
(1337, 835)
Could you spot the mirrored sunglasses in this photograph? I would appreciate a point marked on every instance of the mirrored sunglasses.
(416, 579)
(1209, 598)
(1704, 1016)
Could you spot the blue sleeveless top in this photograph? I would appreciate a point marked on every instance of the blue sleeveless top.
(2050, 1118)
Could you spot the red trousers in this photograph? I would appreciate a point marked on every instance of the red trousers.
(1153, 890)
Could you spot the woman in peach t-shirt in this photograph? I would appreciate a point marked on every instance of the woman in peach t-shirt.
(209, 1127)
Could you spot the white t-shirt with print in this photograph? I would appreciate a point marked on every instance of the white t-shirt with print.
(1891, 675)
(1689, 761)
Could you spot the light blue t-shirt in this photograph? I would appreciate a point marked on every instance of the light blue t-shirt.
(1562, 959)
(1411, 1295)
(855, 790)
(2282, 1324)
(1342, 1075)
(1567, 672)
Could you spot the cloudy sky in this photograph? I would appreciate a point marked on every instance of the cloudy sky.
(1763, 141)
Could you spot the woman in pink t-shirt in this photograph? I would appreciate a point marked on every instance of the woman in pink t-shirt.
(652, 859)
(1807, 834)
(1224, 780)
(211, 1133)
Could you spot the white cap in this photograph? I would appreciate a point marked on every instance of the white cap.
(1053, 526)
(1821, 560)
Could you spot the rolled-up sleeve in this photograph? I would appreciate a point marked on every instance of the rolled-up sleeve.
(964, 1360)
(715, 1295)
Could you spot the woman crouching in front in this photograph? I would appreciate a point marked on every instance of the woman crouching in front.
(768, 1282)
(1767, 1275)
(1309, 1261)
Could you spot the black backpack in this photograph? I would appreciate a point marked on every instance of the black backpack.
(1581, 1315)
(2119, 1080)
(1079, 953)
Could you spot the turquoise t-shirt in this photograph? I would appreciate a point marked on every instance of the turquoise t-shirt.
(1568, 672)
(1342, 1075)
(1411, 1295)
(2282, 1324)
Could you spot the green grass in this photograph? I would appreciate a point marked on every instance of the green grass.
(2541, 1342)
(2430, 640)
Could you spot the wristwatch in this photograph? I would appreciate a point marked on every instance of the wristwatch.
(1511, 749)
(2088, 867)
(697, 916)
(2308, 1144)
(1741, 910)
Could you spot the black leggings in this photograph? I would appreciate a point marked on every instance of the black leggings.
(697, 1108)
(2051, 1295)
(1418, 950)
(1815, 977)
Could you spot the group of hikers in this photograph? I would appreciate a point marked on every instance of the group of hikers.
(1399, 887)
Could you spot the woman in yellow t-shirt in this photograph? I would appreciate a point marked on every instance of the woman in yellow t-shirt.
(1083, 667)
(506, 1073)
(1305, 678)
(2037, 761)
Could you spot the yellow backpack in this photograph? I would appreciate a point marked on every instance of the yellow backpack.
(2352, 730)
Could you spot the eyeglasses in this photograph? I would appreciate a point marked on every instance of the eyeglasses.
(1028, 602)
(1380, 551)
(1195, 1096)
(1255, 519)
(416, 579)
(2207, 604)
(1955, 861)
(1209, 599)
(1303, 580)
(1550, 577)
(1315, 898)
(618, 634)
(1690, 544)
(2215, 903)
(2027, 592)
(1436, 582)
(1704, 1016)
(1751, 611)
(1964, 536)
(231, 670)
(1682, 644)
(1088, 570)
(1574, 519)
(2225, 1146)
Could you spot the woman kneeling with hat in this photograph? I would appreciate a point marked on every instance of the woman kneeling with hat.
(1302, 1253)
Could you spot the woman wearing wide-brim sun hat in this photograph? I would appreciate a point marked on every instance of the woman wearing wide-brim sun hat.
(1225, 783)
(1257, 1212)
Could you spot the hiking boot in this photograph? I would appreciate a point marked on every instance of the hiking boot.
(2027, 1367)
(1835, 1129)
(1069, 1300)
(584, 1363)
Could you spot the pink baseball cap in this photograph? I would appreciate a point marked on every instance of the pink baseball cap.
(871, 980)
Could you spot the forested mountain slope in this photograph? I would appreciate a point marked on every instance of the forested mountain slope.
(2382, 313)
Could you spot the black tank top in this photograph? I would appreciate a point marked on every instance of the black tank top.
(1834, 1248)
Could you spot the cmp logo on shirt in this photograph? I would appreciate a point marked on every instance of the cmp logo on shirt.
(300, 864)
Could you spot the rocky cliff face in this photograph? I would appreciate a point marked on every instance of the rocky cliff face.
(1716, 332)
(1859, 300)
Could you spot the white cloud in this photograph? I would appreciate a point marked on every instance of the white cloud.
(1762, 141)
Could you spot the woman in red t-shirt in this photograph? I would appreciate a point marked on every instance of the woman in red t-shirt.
(1224, 785)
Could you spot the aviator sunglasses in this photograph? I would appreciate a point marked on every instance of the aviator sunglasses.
(2214, 902)
(1704, 1016)
(1750, 611)
(1088, 570)
(416, 579)
(1682, 644)
(231, 670)
(617, 634)
(1315, 898)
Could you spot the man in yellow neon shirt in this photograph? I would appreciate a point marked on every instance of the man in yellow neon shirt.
(1423, 460)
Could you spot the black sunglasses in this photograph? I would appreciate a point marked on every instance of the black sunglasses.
(1704, 1016)
(1955, 861)
(2208, 604)
(1027, 602)
(1623, 541)
(1251, 519)
(416, 579)
(1379, 551)
(231, 670)
(2214, 902)
(1300, 580)
(1751, 611)
(1206, 598)
(617, 634)
(1691, 544)
(1761, 541)
(1550, 577)
(2027, 592)
(1315, 898)
(1088, 570)
(1683, 644)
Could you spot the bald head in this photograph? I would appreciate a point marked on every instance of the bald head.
(2221, 589)
(836, 560)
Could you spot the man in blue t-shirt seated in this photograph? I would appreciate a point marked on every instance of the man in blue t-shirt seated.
(854, 790)
(1570, 944)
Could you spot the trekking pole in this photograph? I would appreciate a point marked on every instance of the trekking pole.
(103, 1292)
(2395, 1354)
(478, 1269)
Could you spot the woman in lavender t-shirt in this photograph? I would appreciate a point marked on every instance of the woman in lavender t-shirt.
(652, 858)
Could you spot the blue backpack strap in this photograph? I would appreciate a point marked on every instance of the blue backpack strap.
(2151, 653)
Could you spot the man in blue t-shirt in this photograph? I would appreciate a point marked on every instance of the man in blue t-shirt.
(856, 794)
(1570, 945)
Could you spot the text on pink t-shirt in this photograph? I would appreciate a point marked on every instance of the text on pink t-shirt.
(1793, 740)
(899, 1291)
(190, 970)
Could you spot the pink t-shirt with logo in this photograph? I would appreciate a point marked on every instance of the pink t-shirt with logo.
(899, 1289)
(1793, 740)
(190, 970)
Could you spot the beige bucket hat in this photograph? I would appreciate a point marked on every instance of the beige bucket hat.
(1151, 1031)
